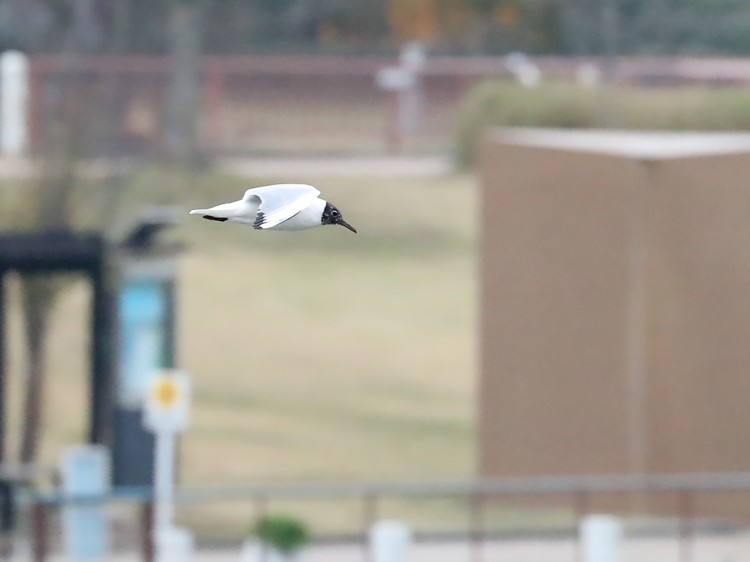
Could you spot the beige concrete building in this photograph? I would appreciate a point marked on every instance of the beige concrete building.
(615, 303)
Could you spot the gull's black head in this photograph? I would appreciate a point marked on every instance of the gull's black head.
(331, 215)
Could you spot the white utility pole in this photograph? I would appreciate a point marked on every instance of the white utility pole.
(166, 414)
(14, 94)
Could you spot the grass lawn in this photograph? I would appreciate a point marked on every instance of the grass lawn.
(326, 354)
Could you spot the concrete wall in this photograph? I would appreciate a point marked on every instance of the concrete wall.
(615, 304)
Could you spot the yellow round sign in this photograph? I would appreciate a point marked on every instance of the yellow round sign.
(165, 393)
(167, 404)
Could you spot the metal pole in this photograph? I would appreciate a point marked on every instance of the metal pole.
(147, 531)
(8, 514)
(610, 23)
(261, 506)
(477, 527)
(393, 131)
(164, 482)
(39, 532)
(370, 514)
(581, 510)
(2, 367)
(102, 383)
(685, 509)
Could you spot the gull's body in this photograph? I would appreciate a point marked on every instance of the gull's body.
(288, 206)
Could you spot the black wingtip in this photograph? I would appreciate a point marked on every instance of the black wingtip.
(260, 219)
(217, 219)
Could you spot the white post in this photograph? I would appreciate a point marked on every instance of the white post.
(175, 544)
(166, 413)
(413, 59)
(14, 93)
(164, 480)
(525, 71)
(390, 541)
(403, 82)
(85, 471)
(601, 538)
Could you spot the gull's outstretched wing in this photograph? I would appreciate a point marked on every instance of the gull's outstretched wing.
(277, 203)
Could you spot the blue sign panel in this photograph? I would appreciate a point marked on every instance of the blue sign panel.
(146, 346)
(142, 312)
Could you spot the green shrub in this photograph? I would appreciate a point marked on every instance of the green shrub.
(508, 104)
(567, 105)
(285, 534)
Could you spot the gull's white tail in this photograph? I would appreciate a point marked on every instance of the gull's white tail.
(223, 211)
(219, 213)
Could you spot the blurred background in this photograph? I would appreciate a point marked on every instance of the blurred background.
(315, 357)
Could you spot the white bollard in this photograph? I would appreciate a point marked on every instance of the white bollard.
(589, 75)
(85, 472)
(525, 71)
(601, 538)
(14, 93)
(389, 541)
(175, 544)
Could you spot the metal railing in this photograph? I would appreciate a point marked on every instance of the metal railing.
(579, 490)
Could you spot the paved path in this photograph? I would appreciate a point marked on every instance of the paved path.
(266, 166)
(727, 548)
(715, 549)
(379, 166)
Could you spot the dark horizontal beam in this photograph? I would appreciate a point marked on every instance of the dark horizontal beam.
(50, 251)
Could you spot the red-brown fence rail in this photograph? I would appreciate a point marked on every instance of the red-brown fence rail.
(298, 104)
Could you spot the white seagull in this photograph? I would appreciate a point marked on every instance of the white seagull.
(285, 206)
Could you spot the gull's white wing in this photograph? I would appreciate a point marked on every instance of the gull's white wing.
(280, 202)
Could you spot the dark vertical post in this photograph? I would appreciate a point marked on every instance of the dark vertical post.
(36, 110)
(370, 515)
(477, 527)
(393, 131)
(169, 357)
(181, 116)
(102, 367)
(7, 505)
(213, 100)
(261, 507)
(169, 352)
(39, 531)
(581, 510)
(610, 23)
(2, 367)
(686, 525)
(147, 531)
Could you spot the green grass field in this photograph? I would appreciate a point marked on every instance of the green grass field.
(318, 355)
